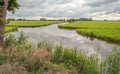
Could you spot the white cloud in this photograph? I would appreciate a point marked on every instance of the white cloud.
(104, 16)
(67, 8)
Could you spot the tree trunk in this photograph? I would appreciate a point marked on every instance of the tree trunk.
(3, 12)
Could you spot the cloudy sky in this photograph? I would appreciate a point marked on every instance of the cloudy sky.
(97, 9)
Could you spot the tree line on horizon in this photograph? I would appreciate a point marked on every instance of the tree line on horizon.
(45, 19)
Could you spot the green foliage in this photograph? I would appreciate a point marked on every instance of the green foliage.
(43, 19)
(85, 19)
(71, 20)
(1, 3)
(13, 5)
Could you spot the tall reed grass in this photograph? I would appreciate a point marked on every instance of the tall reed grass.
(44, 58)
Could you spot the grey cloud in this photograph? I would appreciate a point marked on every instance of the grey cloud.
(65, 8)
(109, 8)
(58, 2)
(113, 8)
(95, 3)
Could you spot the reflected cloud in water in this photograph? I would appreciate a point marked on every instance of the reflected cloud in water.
(67, 38)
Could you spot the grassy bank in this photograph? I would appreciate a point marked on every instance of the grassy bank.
(13, 25)
(20, 56)
(112, 35)
(108, 31)
(10, 29)
(92, 24)
(31, 23)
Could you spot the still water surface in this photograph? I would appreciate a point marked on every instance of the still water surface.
(67, 38)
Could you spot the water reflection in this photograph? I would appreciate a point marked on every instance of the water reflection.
(67, 38)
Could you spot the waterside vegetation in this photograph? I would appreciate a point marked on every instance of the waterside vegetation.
(21, 56)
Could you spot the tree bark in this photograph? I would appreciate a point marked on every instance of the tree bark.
(3, 12)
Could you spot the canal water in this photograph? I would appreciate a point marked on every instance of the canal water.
(68, 38)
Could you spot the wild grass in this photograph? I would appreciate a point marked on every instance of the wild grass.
(73, 60)
(111, 65)
(31, 23)
(32, 59)
(21, 56)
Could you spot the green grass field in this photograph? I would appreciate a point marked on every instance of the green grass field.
(10, 29)
(109, 31)
(12, 26)
(112, 35)
(31, 23)
(92, 24)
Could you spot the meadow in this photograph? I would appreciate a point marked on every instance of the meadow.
(92, 24)
(10, 29)
(112, 35)
(13, 25)
(109, 31)
(31, 23)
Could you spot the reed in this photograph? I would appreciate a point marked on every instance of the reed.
(46, 58)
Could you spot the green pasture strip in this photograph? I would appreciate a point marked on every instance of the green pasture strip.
(92, 24)
(106, 30)
(31, 23)
(112, 35)
(10, 29)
